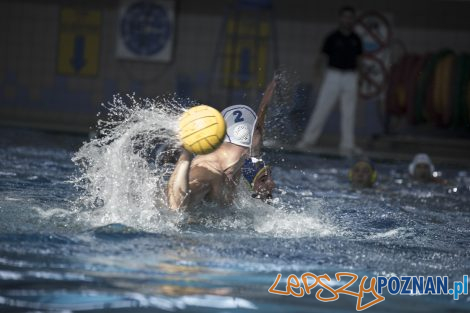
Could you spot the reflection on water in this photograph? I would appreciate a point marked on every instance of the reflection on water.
(55, 255)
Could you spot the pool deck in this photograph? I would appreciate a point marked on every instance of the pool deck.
(446, 150)
(394, 148)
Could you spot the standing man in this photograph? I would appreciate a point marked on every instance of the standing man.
(342, 49)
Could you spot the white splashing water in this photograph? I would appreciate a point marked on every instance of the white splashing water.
(278, 219)
(117, 172)
(121, 182)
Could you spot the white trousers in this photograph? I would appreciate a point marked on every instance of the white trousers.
(336, 85)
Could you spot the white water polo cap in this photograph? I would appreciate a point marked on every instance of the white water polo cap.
(420, 159)
(241, 121)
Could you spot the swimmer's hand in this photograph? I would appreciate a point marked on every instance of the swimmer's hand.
(186, 155)
(263, 106)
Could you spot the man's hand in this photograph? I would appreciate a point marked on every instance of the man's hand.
(320, 67)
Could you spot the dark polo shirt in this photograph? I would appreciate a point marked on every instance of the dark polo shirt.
(342, 50)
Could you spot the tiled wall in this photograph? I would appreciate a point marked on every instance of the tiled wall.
(32, 92)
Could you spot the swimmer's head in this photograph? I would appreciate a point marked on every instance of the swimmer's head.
(362, 173)
(347, 17)
(259, 177)
(421, 168)
(241, 121)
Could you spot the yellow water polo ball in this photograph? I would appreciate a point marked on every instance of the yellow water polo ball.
(202, 129)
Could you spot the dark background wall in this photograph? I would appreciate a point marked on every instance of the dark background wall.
(33, 92)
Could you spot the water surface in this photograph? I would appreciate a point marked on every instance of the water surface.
(63, 250)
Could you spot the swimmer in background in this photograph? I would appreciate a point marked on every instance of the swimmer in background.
(259, 179)
(362, 174)
(421, 169)
(213, 177)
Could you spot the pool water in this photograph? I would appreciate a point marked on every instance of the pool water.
(58, 253)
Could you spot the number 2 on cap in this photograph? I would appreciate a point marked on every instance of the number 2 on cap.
(238, 116)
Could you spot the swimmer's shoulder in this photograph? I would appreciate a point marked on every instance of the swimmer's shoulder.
(206, 163)
(205, 171)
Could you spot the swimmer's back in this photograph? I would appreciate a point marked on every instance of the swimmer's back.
(207, 170)
(207, 161)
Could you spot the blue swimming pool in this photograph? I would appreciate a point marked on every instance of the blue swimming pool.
(61, 250)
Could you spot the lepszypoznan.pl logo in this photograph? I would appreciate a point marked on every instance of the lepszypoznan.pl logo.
(403, 285)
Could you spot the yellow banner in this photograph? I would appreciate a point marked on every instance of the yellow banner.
(245, 54)
(79, 41)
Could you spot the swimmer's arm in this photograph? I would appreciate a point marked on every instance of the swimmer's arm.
(200, 185)
(261, 115)
(183, 191)
(178, 186)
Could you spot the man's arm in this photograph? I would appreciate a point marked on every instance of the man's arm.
(261, 115)
(321, 61)
(359, 54)
(181, 192)
(320, 66)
